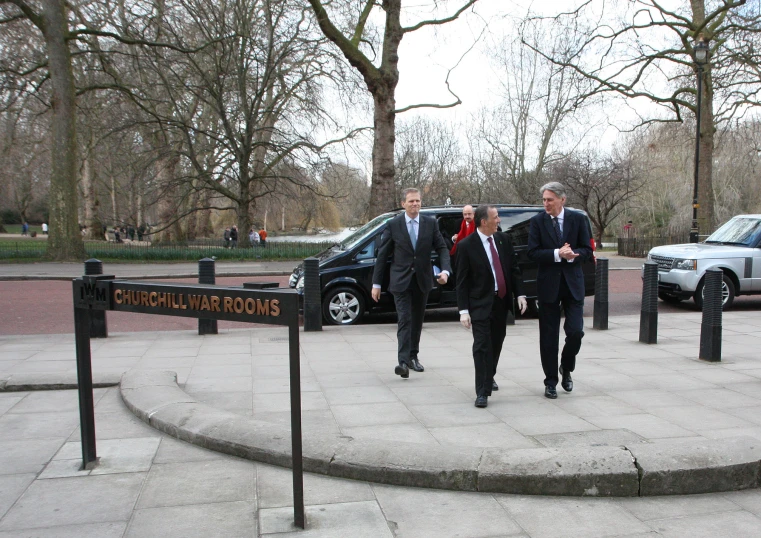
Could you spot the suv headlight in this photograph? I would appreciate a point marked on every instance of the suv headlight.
(293, 280)
(687, 265)
(300, 283)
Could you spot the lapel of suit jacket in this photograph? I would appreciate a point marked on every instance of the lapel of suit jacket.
(567, 223)
(482, 254)
(550, 228)
(406, 231)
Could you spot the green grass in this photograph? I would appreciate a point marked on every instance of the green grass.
(14, 250)
(16, 229)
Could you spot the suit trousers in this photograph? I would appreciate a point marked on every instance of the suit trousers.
(410, 309)
(488, 337)
(549, 333)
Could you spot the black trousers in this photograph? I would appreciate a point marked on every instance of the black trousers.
(488, 337)
(410, 309)
(549, 333)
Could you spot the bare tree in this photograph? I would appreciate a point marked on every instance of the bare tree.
(600, 186)
(227, 115)
(347, 26)
(48, 19)
(642, 49)
(542, 105)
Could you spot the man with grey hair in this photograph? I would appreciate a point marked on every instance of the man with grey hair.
(559, 242)
(408, 240)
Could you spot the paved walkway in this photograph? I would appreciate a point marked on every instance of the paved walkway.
(149, 484)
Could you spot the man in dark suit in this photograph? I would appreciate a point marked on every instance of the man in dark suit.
(559, 242)
(409, 238)
(487, 280)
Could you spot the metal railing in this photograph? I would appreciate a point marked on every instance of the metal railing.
(638, 247)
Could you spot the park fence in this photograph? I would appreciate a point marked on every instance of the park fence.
(638, 247)
(186, 251)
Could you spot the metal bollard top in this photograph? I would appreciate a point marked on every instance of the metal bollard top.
(93, 267)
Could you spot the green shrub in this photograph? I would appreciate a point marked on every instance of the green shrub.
(14, 249)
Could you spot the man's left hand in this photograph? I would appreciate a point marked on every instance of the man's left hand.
(522, 304)
(443, 277)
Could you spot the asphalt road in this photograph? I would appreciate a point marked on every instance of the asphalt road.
(45, 306)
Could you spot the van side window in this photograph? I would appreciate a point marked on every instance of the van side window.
(519, 234)
(368, 251)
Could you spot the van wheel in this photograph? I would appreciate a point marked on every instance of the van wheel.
(727, 293)
(343, 306)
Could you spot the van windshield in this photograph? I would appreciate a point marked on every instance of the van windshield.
(362, 232)
(738, 231)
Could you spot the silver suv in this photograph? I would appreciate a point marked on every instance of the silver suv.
(735, 248)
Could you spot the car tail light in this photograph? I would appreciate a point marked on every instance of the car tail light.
(594, 247)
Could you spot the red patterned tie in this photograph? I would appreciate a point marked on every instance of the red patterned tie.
(501, 286)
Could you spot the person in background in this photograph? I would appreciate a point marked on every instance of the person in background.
(253, 237)
(24, 228)
(234, 237)
(467, 227)
(44, 228)
(263, 237)
(227, 237)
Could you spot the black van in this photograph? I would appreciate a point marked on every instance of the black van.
(346, 269)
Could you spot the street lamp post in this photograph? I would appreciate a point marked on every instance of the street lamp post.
(701, 57)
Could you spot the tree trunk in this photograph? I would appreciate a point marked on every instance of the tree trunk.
(90, 202)
(114, 211)
(64, 240)
(171, 230)
(382, 192)
(705, 163)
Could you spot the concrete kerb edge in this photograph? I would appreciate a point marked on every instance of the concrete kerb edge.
(644, 470)
(39, 382)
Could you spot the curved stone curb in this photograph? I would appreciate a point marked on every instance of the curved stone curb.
(651, 469)
(25, 382)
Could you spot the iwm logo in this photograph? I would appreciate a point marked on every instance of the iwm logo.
(92, 292)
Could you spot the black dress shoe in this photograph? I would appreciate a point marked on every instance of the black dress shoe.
(550, 392)
(481, 401)
(402, 370)
(417, 366)
(494, 386)
(567, 382)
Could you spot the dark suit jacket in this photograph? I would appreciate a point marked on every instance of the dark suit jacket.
(407, 263)
(542, 243)
(475, 281)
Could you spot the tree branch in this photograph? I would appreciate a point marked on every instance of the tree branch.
(437, 22)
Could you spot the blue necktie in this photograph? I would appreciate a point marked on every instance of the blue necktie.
(413, 233)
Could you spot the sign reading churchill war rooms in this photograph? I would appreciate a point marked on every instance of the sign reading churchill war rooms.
(272, 307)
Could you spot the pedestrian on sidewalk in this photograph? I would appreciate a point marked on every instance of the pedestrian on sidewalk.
(409, 239)
(488, 278)
(558, 242)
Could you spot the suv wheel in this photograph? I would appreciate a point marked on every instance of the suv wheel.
(343, 306)
(727, 293)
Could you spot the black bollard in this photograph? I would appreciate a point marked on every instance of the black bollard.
(98, 325)
(312, 300)
(600, 316)
(207, 275)
(710, 328)
(648, 319)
